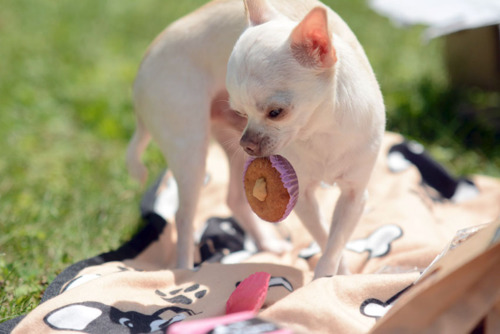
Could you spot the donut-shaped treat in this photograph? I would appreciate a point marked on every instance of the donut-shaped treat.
(271, 187)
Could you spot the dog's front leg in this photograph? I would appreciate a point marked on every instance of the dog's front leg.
(264, 234)
(346, 215)
(307, 209)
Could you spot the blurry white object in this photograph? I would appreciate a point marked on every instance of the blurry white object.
(442, 16)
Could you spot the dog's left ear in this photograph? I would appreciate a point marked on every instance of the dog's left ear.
(311, 41)
(259, 11)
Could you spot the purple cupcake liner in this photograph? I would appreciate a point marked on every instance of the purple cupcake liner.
(288, 177)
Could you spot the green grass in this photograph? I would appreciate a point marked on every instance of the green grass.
(66, 116)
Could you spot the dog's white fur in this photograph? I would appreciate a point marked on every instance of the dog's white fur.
(299, 85)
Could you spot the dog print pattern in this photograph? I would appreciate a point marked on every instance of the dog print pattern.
(375, 308)
(96, 318)
(176, 297)
(378, 243)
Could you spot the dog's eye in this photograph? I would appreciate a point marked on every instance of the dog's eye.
(275, 112)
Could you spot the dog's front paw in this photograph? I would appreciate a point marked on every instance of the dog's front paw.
(328, 267)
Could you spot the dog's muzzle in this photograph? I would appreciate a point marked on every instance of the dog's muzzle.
(251, 143)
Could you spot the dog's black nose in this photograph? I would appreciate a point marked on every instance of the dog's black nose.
(252, 147)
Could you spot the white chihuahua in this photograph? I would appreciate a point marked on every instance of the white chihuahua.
(279, 76)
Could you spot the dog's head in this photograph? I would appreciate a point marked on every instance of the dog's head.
(279, 73)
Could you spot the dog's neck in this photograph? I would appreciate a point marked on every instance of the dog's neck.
(344, 109)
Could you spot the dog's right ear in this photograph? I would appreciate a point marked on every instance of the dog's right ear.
(311, 41)
(259, 11)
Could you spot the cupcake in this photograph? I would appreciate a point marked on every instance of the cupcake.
(271, 187)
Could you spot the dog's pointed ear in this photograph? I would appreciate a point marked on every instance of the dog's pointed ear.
(259, 11)
(311, 41)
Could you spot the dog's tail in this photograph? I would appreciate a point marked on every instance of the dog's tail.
(136, 147)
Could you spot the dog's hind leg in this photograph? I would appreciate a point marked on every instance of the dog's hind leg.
(136, 147)
(187, 160)
(189, 174)
(177, 116)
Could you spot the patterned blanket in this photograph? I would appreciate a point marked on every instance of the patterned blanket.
(424, 257)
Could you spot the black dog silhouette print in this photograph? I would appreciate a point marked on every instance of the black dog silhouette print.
(97, 318)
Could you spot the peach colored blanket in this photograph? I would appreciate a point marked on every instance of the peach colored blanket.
(405, 226)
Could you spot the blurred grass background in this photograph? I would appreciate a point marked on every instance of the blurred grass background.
(66, 69)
